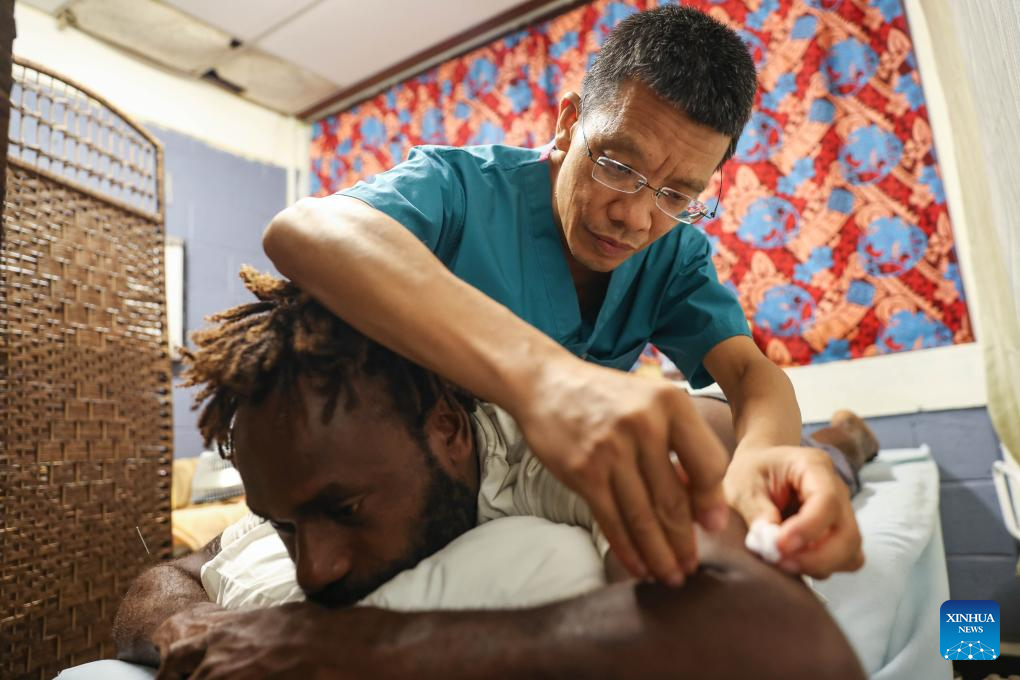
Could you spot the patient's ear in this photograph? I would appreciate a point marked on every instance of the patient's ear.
(450, 436)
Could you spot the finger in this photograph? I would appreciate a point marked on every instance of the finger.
(671, 505)
(632, 499)
(186, 624)
(855, 562)
(165, 672)
(755, 503)
(703, 459)
(615, 571)
(823, 498)
(204, 671)
(681, 474)
(210, 670)
(218, 665)
(839, 551)
(173, 629)
(182, 657)
(608, 517)
(161, 639)
(854, 552)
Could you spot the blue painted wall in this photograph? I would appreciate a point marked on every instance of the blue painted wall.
(218, 203)
(980, 553)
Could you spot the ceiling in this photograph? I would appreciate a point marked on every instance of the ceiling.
(293, 56)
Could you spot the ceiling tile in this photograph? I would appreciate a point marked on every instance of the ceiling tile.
(243, 19)
(347, 41)
(274, 83)
(153, 30)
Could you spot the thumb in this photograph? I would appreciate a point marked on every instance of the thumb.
(756, 504)
(711, 509)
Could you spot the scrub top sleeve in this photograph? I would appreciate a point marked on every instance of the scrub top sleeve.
(424, 193)
(697, 312)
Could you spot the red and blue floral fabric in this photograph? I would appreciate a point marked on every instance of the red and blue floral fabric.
(833, 230)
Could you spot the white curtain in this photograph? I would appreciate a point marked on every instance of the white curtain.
(969, 57)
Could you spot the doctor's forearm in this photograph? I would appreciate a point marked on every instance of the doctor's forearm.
(376, 275)
(765, 409)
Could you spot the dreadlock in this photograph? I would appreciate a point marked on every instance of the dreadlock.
(254, 348)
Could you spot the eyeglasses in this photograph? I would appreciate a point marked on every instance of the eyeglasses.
(615, 175)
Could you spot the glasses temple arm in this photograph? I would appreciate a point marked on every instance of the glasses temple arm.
(718, 200)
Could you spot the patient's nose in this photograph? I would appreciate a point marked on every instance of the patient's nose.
(322, 556)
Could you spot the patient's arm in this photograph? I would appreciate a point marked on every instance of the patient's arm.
(156, 595)
(736, 617)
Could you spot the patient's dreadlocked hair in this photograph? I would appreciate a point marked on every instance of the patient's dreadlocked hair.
(256, 347)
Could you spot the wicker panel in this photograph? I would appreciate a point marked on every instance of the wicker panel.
(85, 408)
(69, 133)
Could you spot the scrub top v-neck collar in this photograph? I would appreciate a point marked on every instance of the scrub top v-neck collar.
(572, 332)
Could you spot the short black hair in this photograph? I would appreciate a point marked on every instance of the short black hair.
(687, 58)
(255, 348)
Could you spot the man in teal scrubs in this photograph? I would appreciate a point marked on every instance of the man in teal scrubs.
(486, 212)
(527, 277)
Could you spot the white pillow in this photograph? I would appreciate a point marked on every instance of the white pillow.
(508, 562)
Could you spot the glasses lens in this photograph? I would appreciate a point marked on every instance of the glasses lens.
(680, 206)
(617, 175)
(674, 202)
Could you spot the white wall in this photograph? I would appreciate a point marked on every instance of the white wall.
(151, 94)
(924, 380)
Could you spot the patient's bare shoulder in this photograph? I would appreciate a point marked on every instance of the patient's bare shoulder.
(726, 544)
(726, 549)
(722, 553)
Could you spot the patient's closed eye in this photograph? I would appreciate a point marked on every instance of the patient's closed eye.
(346, 511)
(280, 527)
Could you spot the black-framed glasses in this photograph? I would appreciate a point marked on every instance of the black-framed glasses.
(623, 178)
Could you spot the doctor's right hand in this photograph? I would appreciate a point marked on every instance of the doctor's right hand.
(607, 435)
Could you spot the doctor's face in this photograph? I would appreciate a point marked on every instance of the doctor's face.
(602, 227)
(359, 498)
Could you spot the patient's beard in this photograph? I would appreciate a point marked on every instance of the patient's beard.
(451, 509)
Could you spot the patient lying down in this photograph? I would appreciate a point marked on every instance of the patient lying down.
(374, 473)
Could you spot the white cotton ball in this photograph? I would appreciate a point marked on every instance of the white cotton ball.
(761, 540)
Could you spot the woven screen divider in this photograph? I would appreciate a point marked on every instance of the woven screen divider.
(85, 405)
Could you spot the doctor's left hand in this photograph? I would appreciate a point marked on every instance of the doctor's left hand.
(797, 488)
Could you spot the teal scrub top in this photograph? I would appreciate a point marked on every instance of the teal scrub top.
(486, 212)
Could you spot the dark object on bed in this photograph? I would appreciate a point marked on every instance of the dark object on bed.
(85, 405)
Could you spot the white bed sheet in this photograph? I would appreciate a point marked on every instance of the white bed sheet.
(889, 609)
